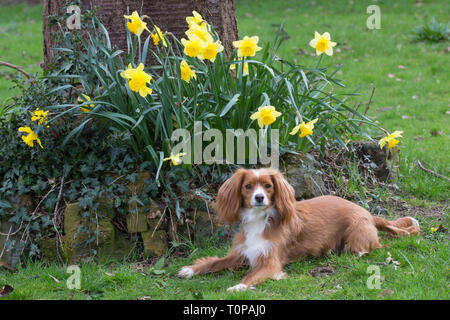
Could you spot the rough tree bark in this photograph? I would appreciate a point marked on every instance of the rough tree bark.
(51, 7)
(169, 15)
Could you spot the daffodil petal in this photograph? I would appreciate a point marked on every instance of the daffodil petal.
(313, 43)
(260, 123)
(255, 116)
(294, 130)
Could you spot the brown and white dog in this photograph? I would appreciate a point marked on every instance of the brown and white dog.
(276, 229)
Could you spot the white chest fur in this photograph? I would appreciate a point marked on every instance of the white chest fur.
(254, 221)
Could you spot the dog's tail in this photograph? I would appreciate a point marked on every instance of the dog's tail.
(405, 226)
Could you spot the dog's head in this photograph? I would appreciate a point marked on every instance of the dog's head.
(261, 188)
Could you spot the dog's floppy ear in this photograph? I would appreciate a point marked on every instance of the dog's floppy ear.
(284, 196)
(229, 199)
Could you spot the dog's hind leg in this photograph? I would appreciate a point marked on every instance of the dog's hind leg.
(362, 239)
(409, 224)
(232, 261)
(405, 226)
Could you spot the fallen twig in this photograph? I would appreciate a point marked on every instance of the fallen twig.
(368, 104)
(174, 233)
(54, 219)
(370, 101)
(159, 221)
(56, 280)
(12, 233)
(6, 266)
(7, 64)
(432, 172)
(209, 216)
(4, 246)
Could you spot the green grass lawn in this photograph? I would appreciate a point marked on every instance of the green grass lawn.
(20, 43)
(423, 273)
(411, 81)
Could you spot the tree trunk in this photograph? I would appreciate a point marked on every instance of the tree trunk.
(168, 15)
(51, 7)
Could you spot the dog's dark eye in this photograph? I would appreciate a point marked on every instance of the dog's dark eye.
(267, 186)
(248, 186)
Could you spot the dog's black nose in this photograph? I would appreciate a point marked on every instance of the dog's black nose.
(259, 197)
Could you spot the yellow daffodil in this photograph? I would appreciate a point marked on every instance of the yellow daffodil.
(196, 19)
(211, 50)
(265, 115)
(200, 32)
(136, 25)
(137, 79)
(247, 47)
(390, 140)
(31, 137)
(85, 98)
(175, 159)
(158, 36)
(322, 43)
(306, 129)
(186, 72)
(244, 70)
(432, 229)
(193, 47)
(40, 115)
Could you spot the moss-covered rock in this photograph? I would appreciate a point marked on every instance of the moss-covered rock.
(143, 218)
(122, 248)
(75, 244)
(107, 233)
(48, 249)
(303, 173)
(204, 226)
(136, 222)
(106, 208)
(155, 243)
(72, 218)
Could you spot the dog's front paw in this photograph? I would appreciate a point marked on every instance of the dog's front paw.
(186, 272)
(239, 287)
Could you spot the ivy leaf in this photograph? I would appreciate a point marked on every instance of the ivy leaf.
(46, 221)
(184, 185)
(67, 168)
(5, 204)
(35, 226)
(159, 264)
